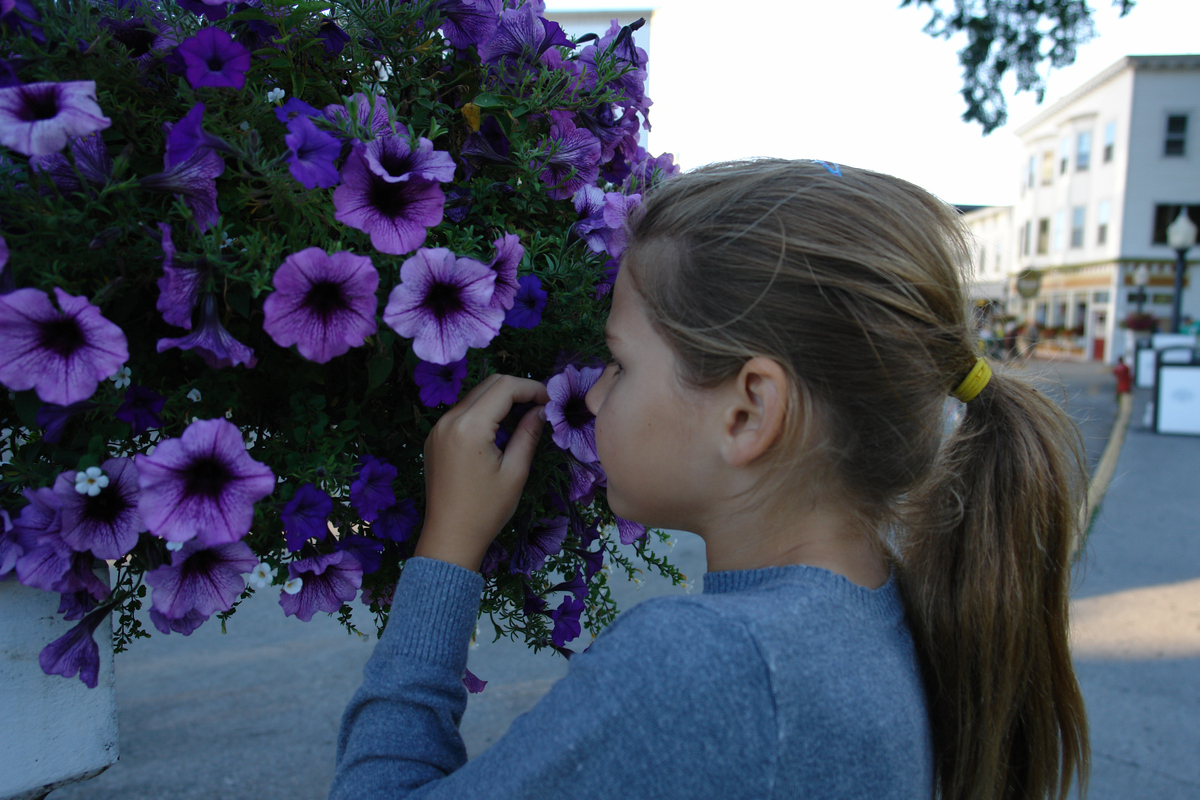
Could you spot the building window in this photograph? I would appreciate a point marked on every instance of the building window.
(1099, 297)
(1043, 240)
(1164, 215)
(1032, 171)
(1064, 156)
(1110, 141)
(1060, 230)
(1047, 168)
(1102, 210)
(1083, 151)
(1176, 144)
(1078, 217)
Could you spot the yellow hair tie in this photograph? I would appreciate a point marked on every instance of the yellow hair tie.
(973, 384)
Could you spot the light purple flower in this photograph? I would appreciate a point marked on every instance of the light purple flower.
(42, 558)
(585, 479)
(185, 624)
(295, 107)
(371, 491)
(195, 181)
(311, 154)
(574, 426)
(90, 160)
(76, 651)
(618, 43)
(509, 253)
(443, 304)
(211, 341)
(394, 214)
(371, 114)
(37, 119)
(474, 685)
(200, 580)
(519, 41)
(527, 309)
(62, 354)
(397, 522)
(108, 523)
(566, 621)
(572, 159)
(329, 580)
(305, 516)
(630, 531)
(179, 287)
(141, 409)
(213, 58)
(393, 159)
(202, 485)
(541, 541)
(187, 136)
(323, 303)
(440, 383)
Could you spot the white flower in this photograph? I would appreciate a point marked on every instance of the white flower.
(90, 481)
(294, 585)
(194, 395)
(262, 575)
(122, 378)
(226, 241)
(275, 95)
(174, 546)
(229, 414)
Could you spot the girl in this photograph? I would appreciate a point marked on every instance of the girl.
(885, 612)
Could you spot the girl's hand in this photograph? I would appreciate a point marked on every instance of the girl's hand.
(471, 487)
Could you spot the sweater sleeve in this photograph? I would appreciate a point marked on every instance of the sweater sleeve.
(671, 701)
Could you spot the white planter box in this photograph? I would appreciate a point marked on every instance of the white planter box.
(53, 730)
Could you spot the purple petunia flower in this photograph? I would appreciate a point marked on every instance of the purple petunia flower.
(202, 485)
(294, 107)
(37, 119)
(211, 341)
(527, 309)
(213, 58)
(195, 181)
(53, 418)
(311, 154)
(187, 136)
(371, 491)
(371, 114)
(618, 44)
(574, 426)
(566, 621)
(542, 541)
(592, 562)
(576, 586)
(305, 516)
(106, 524)
(469, 22)
(75, 605)
(647, 171)
(393, 159)
(394, 214)
(42, 557)
(62, 354)
(367, 552)
(493, 557)
(10, 548)
(335, 39)
(141, 409)
(145, 38)
(519, 41)
(22, 16)
(212, 10)
(90, 160)
(612, 131)
(629, 531)
(200, 581)
(533, 604)
(328, 581)
(488, 145)
(185, 624)
(179, 287)
(443, 304)
(323, 303)
(572, 159)
(76, 651)
(509, 253)
(440, 383)
(397, 522)
(474, 685)
(585, 479)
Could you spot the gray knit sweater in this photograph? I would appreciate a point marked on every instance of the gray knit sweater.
(785, 682)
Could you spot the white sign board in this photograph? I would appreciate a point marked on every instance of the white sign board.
(1179, 400)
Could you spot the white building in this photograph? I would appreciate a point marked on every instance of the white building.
(1104, 171)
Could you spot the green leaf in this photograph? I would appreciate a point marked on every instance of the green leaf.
(27, 404)
(378, 369)
(489, 100)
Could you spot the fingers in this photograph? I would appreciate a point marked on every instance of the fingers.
(500, 394)
(519, 454)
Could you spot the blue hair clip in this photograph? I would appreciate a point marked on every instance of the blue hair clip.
(834, 169)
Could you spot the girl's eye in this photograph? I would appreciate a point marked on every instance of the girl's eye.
(612, 362)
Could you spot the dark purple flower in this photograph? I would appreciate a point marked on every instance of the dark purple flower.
(519, 41)
(566, 621)
(647, 171)
(392, 158)
(144, 38)
(202, 485)
(10, 548)
(37, 119)
(295, 107)
(306, 516)
(211, 341)
(200, 580)
(592, 562)
(603, 225)
(611, 130)
(443, 304)
(53, 418)
(371, 491)
(576, 586)
(509, 253)
(572, 157)
(328, 581)
(323, 303)
(533, 604)
(440, 383)
(527, 310)
(397, 522)
(610, 269)
(91, 161)
(541, 541)
(106, 524)
(186, 137)
(469, 22)
(255, 34)
(75, 605)
(371, 114)
(473, 684)
(488, 145)
(42, 558)
(76, 651)
(629, 531)
(62, 354)
(141, 409)
(574, 426)
(585, 479)
(458, 203)
(311, 154)
(179, 287)
(367, 552)
(185, 624)
(21, 16)
(394, 214)
(212, 10)
(334, 38)
(195, 181)
(617, 45)
(493, 557)
(213, 58)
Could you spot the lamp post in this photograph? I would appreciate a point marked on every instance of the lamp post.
(1141, 279)
(1181, 235)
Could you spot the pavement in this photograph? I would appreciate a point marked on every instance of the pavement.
(254, 712)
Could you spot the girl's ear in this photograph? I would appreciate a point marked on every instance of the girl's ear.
(754, 413)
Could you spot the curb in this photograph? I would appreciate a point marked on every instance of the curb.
(1103, 475)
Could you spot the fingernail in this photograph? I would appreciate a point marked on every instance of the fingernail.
(542, 413)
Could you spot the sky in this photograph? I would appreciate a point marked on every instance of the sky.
(858, 83)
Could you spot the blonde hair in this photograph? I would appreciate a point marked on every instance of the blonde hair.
(851, 281)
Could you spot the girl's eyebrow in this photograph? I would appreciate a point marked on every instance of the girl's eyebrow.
(609, 336)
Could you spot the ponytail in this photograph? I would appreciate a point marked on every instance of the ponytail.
(985, 572)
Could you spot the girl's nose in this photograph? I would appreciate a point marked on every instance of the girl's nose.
(595, 395)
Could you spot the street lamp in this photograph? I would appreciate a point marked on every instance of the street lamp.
(1181, 235)
(1141, 279)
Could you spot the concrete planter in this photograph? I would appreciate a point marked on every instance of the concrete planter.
(55, 730)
